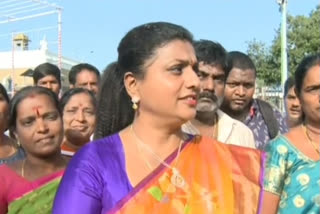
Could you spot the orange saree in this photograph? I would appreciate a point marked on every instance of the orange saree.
(219, 178)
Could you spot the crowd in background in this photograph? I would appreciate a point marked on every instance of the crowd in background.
(171, 127)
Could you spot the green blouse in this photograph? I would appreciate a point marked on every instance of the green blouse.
(293, 176)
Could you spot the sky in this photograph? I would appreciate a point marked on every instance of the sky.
(91, 30)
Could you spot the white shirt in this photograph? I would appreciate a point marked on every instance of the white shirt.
(230, 131)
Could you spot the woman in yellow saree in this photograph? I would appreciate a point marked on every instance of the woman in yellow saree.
(29, 185)
(145, 163)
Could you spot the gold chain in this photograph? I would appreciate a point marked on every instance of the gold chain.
(310, 140)
(176, 178)
(142, 144)
(144, 158)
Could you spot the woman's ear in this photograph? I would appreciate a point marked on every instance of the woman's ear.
(132, 85)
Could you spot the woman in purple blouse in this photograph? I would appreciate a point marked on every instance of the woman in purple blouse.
(146, 164)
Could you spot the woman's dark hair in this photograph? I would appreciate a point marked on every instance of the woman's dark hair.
(4, 93)
(287, 85)
(74, 91)
(106, 72)
(24, 93)
(302, 69)
(135, 48)
(104, 114)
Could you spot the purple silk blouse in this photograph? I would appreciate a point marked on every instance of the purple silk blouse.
(95, 179)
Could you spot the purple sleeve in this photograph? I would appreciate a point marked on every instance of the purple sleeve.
(80, 190)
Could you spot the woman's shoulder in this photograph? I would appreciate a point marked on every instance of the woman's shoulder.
(4, 169)
(94, 162)
(279, 140)
(106, 144)
(282, 144)
(8, 174)
(98, 151)
(279, 147)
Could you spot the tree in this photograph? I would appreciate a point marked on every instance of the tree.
(302, 39)
(260, 54)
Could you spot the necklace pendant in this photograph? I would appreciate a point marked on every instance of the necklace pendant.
(176, 179)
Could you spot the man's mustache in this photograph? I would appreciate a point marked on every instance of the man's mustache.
(208, 95)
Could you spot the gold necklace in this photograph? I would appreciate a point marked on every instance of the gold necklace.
(310, 140)
(176, 178)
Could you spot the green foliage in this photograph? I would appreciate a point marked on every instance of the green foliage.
(303, 38)
(263, 61)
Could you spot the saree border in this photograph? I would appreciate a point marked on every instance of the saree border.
(150, 177)
(36, 184)
(263, 160)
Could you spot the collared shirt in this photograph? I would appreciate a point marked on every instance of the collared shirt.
(256, 123)
(230, 131)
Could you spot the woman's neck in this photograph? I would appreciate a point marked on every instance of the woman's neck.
(313, 130)
(49, 164)
(158, 135)
(313, 126)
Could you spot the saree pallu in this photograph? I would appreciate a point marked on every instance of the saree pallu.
(23, 196)
(220, 179)
(38, 201)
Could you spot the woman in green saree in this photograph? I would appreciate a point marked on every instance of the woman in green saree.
(29, 185)
(292, 178)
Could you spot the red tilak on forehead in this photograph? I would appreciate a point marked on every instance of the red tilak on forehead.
(36, 109)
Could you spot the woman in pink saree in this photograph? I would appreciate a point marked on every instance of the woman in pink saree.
(29, 185)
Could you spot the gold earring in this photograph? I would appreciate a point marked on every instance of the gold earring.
(134, 106)
(135, 101)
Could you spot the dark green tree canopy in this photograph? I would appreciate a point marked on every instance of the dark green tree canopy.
(303, 38)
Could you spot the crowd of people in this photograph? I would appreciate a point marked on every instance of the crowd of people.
(171, 127)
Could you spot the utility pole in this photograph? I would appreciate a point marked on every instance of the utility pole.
(12, 75)
(59, 38)
(284, 55)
